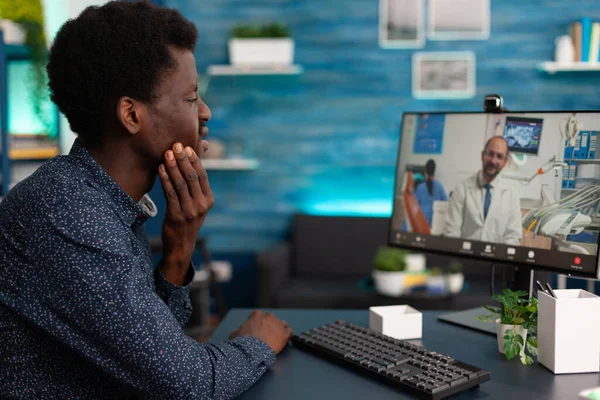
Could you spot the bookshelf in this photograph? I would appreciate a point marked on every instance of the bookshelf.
(217, 70)
(553, 67)
(220, 70)
(18, 148)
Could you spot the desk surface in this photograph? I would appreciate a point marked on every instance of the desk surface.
(300, 375)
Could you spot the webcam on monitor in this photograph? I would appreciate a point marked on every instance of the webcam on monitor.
(494, 103)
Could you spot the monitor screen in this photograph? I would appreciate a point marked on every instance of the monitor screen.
(484, 186)
(523, 134)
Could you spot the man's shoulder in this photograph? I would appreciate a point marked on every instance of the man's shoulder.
(469, 182)
(56, 182)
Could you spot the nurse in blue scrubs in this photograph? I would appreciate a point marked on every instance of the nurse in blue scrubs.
(429, 190)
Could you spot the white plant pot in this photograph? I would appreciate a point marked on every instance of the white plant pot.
(261, 52)
(501, 331)
(389, 283)
(436, 284)
(455, 282)
(13, 32)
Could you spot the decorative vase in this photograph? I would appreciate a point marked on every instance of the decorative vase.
(501, 331)
(216, 149)
(13, 32)
(455, 282)
(436, 285)
(564, 52)
(389, 283)
(261, 52)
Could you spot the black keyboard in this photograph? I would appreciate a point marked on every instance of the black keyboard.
(411, 368)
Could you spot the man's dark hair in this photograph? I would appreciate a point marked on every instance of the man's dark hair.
(430, 170)
(118, 49)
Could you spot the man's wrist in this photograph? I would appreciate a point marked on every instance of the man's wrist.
(174, 269)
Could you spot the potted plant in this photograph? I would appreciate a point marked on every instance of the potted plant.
(516, 324)
(436, 283)
(455, 278)
(389, 272)
(261, 45)
(28, 15)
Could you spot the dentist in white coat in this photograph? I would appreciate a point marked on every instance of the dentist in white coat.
(486, 207)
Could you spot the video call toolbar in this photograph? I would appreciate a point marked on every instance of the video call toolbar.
(578, 263)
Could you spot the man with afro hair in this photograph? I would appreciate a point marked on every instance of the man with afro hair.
(83, 312)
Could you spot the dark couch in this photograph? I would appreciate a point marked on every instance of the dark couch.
(327, 263)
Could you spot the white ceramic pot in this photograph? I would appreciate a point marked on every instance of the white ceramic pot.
(13, 32)
(257, 52)
(455, 282)
(389, 283)
(436, 284)
(415, 262)
(501, 331)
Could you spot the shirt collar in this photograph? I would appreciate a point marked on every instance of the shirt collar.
(129, 211)
(482, 182)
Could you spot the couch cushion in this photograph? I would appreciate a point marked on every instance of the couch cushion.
(327, 246)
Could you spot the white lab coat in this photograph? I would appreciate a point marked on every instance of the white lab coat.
(465, 220)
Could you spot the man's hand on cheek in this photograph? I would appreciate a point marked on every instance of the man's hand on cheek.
(189, 198)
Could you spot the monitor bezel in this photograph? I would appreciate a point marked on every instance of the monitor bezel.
(563, 271)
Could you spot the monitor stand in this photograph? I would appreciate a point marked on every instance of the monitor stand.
(518, 278)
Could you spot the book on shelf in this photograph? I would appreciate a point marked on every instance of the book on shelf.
(585, 34)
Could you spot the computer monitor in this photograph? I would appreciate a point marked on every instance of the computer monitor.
(541, 208)
(523, 134)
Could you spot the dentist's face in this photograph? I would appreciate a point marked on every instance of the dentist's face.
(494, 158)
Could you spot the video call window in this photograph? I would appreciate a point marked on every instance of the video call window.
(486, 183)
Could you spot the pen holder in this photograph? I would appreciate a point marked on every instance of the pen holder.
(569, 331)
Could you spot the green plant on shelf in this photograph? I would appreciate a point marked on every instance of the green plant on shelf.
(435, 271)
(390, 259)
(29, 14)
(455, 268)
(256, 31)
(517, 310)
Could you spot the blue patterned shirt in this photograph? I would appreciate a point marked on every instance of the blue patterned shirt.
(83, 312)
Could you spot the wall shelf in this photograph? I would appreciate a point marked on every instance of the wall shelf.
(554, 67)
(42, 153)
(17, 52)
(585, 160)
(230, 164)
(229, 70)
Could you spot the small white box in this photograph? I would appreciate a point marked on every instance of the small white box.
(569, 331)
(400, 322)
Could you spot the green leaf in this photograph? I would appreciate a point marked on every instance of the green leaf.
(519, 339)
(486, 318)
(532, 346)
(506, 319)
(511, 344)
(494, 310)
(525, 359)
(518, 321)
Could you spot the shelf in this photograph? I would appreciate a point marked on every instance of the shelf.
(231, 164)
(223, 70)
(33, 153)
(17, 52)
(585, 160)
(553, 67)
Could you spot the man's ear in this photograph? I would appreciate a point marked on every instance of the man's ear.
(129, 113)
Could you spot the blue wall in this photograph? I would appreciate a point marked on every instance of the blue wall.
(326, 139)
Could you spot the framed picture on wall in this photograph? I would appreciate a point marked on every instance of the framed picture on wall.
(458, 20)
(401, 24)
(443, 75)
